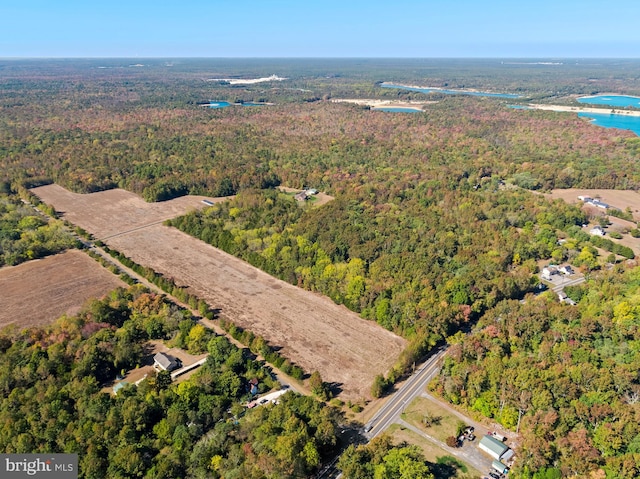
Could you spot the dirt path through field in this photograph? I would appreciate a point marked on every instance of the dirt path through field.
(115, 212)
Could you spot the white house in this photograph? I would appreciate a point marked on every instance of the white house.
(597, 231)
(164, 362)
(548, 271)
(566, 269)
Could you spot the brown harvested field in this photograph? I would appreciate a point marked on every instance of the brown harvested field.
(617, 198)
(40, 291)
(112, 212)
(312, 331)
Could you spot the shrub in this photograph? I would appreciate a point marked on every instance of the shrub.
(452, 441)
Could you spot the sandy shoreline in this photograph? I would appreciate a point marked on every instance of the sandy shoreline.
(578, 109)
(250, 81)
(599, 95)
(435, 88)
(391, 84)
(375, 103)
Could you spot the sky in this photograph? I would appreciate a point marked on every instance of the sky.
(328, 28)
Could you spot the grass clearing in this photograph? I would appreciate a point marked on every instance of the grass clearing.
(444, 422)
(38, 292)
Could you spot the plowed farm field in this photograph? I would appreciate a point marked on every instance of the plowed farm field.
(312, 331)
(114, 212)
(40, 291)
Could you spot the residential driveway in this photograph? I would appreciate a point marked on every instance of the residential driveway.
(469, 451)
(559, 281)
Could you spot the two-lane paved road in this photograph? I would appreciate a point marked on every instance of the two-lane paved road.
(412, 388)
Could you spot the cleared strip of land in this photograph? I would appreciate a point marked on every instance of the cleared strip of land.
(312, 331)
(40, 291)
(117, 211)
(621, 199)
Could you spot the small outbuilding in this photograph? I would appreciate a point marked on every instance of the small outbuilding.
(253, 386)
(566, 270)
(498, 466)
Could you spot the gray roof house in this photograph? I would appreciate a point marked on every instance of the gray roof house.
(164, 362)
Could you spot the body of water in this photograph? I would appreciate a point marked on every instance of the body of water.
(224, 104)
(623, 122)
(619, 101)
(397, 110)
(218, 104)
(450, 92)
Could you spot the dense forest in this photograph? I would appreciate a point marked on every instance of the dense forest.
(26, 235)
(436, 227)
(565, 377)
(396, 264)
(53, 399)
(90, 128)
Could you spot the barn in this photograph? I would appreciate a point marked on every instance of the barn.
(496, 449)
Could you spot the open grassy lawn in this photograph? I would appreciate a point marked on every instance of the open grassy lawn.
(443, 425)
(449, 467)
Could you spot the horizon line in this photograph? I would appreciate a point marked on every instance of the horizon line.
(153, 57)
